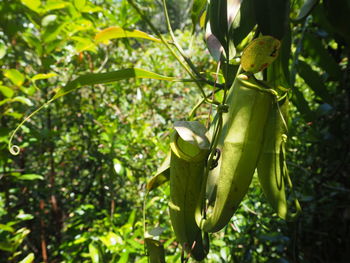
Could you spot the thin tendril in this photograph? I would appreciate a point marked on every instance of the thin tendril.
(15, 149)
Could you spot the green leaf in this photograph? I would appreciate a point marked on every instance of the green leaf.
(314, 81)
(43, 76)
(124, 258)
(80, 4)
(48, 20)
(32, 4)
(101, 78)
(218, 21)
(23, 216)
(118, 32)
(306, 9)
(16, 77)
(302, 105)
(111, 240)
(198, 8)
(233, 7)
(162, 175)
(7, 228)
(243, 23)
(2, 49)
(319, 54)
(54, 5)
(6, 246)
(94, 253)
(30, 177)
(272, 16)
(156, 253)
(6, 91)
(28, 259)
(22, 100)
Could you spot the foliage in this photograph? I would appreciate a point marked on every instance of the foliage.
(75, 192)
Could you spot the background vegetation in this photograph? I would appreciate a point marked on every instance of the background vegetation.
(75, 192)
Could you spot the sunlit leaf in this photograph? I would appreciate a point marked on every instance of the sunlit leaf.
(6, 91)
(54, 5)
(43, 76)
(16, 77)
(118, 32)
(198, 8)
(28, 259)
(101, 78)
(162, 175)
(23, 216)
(243, 22)
(124, 258)
(79, 4)
(32, 4)
(2, 49)
(7, 228)
(22, 100)
(94, 253)
(30, 177)
(48, 20)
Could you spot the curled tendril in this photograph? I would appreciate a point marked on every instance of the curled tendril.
(14, 149)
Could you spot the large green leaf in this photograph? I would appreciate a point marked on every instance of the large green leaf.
(101, 78)
(314, 48)
(118, 32)
(314, 81)
(272, 16)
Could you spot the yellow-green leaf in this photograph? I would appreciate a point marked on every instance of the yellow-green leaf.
(6, 91)
(118, 32)
(260, 53)
(43, 76)
(32, 4)
(79, 4)
(102, 78)
(28, 259)
(16, 77)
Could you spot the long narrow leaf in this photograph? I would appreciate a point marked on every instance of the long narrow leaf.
(101, 78)
(314, 81)
(272, 16)
(315, 49)
(118, 32)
